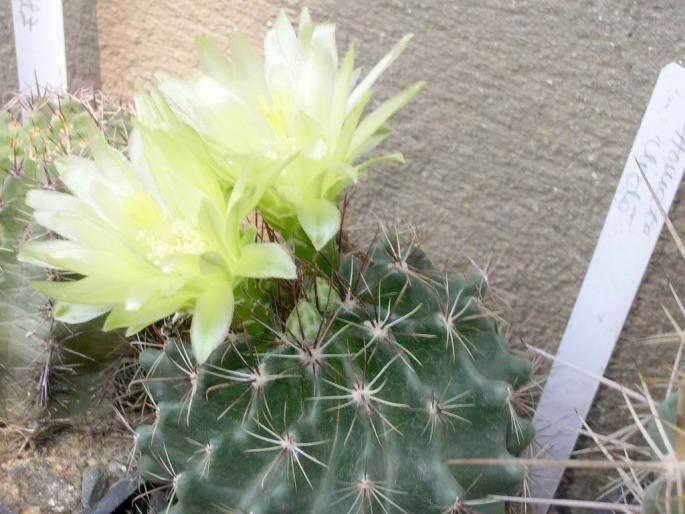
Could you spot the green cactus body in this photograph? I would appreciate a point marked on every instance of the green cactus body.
(664, 494)
(32, 343)
(352, 404)
(22, 309)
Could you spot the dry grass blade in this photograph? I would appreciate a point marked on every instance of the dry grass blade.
(574, 504)
(563, 463)
(603, 380)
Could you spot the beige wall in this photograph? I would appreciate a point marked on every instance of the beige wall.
(513, 150)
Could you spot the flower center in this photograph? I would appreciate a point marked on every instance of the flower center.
(181, 238)
(277, 114)
(142, 208)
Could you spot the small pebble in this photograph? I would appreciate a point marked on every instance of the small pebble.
(120, 492)
(93, 485)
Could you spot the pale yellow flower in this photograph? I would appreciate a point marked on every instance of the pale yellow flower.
(297, 98)
(152, 236)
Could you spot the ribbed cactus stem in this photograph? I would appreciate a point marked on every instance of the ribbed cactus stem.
(352, 403)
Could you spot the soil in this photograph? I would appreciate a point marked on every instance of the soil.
(45, 476)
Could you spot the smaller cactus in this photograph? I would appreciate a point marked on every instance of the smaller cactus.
(43, 362)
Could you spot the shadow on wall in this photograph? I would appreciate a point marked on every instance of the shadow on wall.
(81, 37)
(83, 56)
(8, 70)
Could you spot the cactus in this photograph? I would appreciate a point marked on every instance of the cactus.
(44, 362)
(664, 494)
(352, 402)
(349, 380)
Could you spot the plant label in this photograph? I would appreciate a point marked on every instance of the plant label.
(39, 41)
(618, 264)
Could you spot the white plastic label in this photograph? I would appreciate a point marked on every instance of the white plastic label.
(623, 251)
(39, 41)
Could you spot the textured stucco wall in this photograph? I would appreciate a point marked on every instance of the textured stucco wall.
(140, 39)
(513, 150)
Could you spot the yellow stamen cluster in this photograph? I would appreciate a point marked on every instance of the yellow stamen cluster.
(182, 239)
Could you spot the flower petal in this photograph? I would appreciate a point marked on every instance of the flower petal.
(182, 170)
(78, 313)
(390, 157)
(89, 290)
(154, 309)
(211, 319)
(343, 84)
(375, 121)
(246, 193)
(61, 254)
(306, 26)
(317, 74)
(281, 56)
(265, 260)
(43, 199)
(382, 65)
(320, 220)
(222, 117)
(213, 61)
(248, 64)
(144, 290)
